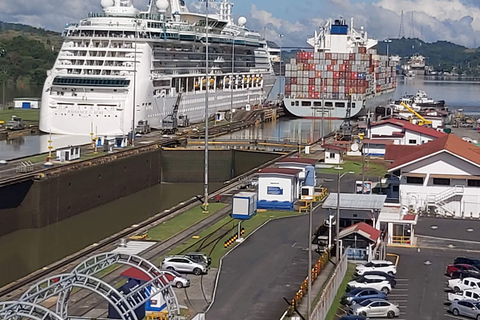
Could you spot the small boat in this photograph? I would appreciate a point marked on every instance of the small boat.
(421, 100)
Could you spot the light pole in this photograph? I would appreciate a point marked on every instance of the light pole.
(309, 289)
(205, 201)
(337, 223)
(231, 78)
(134, 83)
(281, 46)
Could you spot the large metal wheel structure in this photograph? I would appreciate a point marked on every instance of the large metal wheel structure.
(83, 277)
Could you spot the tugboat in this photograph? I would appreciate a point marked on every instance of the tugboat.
(421, 100)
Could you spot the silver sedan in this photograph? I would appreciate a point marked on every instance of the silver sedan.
(375, 308)
(468, 308)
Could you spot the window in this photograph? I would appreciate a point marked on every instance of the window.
(415, 180)
(395, 188)
(339, 104)
(384, 304)
(292, 103)
(468, 294)
(317, 103)
(297, 103)
(332, 155)
(412, 141)
(375, 304)
(306, 103)
(328, 104)
(473, 183)
(441, 181)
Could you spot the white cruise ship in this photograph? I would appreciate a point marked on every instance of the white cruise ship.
(124, 65)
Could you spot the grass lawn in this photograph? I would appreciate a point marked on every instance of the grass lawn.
(181, 222)
(372, 169)
(28, 115)
(341, 290)
(211, 241)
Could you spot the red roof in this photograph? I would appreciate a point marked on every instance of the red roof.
(135, 273)
(363, 229)
(334, 147)
(395, 151)
(411, 127)
(377, 141)
(284, 171)
(298, 160)
(450, 143)
(409, 217)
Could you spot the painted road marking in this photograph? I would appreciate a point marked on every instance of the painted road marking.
(396, 256)
(452, 316)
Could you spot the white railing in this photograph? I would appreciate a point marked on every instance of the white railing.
(330, 290)
(439, 199)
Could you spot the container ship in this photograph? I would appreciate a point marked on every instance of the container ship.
(123, 66)
(344, 76)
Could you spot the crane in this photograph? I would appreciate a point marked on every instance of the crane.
(422, 121)
(170, 122)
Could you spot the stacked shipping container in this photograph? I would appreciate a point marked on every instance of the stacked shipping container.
(339, 76)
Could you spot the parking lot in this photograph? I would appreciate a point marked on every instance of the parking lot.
(421, 290)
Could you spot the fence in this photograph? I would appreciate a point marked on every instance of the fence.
(330, 291)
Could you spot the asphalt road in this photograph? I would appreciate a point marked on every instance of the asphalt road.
(448, 228)
(270, 265)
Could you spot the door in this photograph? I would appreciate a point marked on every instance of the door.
(383, 308)
(26, 105)
(375, 310)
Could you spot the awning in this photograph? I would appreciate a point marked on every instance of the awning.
(412, 174)
(453, 176)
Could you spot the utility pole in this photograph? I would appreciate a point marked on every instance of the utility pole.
(205, 200)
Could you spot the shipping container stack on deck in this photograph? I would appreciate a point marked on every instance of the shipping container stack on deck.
(339, 76)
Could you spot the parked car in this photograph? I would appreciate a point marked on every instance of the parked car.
(460, 267)
(470, 261)
(467, 294)
(358, 295)
(199, 257)
(376, 282)
(465, 283)
(464, 274)
(176, 279)
(377, 265)
(387, 276)
(184, 264)
(375, 308)
(468, 308)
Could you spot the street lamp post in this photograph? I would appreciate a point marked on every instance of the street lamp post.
(205, 201)
(231, 78)
(337, 223)
(281, 46)
(134, 82)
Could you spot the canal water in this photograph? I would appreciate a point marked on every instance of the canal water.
(32, 249)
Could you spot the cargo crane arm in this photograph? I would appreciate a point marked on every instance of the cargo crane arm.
(422, 121)
(170, 122)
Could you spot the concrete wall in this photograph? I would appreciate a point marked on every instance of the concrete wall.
(35, 204)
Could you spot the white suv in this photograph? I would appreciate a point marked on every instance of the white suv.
(465, 283)
(370, 281)
(377, 265)
(184, 264)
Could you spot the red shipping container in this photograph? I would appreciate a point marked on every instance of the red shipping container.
(310, 55)
(293, 80)
(299, 55)
(336, 75)
(336, 82)
(311, 81)
(288, 92)
(348, 68)
(288, 87)
(363, 90)
(354, 76)
(342, 75)
(312, 67)
(317, 95)
(348, 83)
(334, 62)
(342, 67)
(318, 74)
(351, 56)
(362, 50)
(335, 89)
(329, 67)
(347, 90)
(311, 88)
(377, 76)
(328, 56)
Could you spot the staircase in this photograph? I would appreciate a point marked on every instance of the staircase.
(439, 200)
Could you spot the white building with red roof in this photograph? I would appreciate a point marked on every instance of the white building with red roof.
(441, 176)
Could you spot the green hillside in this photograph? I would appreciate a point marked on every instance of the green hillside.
(26, 53)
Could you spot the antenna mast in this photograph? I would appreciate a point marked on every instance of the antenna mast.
(401, 33)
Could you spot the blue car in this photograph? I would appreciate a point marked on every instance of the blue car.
(359, 294)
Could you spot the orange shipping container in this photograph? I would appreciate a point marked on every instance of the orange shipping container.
(329, 67)
(318, 74)
(342, 67)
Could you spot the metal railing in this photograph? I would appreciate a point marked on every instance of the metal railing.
(330, 290)
(405, 240)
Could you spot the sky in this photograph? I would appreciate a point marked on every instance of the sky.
(457, 21)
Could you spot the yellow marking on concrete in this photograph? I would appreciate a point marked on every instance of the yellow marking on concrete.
(397, 257)
(395, 245)
(196, 237)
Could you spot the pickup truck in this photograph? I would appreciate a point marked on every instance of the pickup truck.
(465, 283)
(466, 294)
